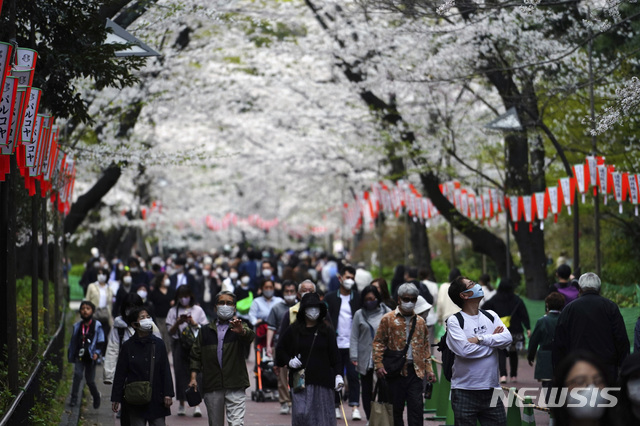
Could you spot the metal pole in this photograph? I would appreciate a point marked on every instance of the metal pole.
(11, 293)
(508, 227)
(576, 234)
(594, 148)
(45, 268)
(34, 270)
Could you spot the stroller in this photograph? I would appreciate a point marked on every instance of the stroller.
(266, 378)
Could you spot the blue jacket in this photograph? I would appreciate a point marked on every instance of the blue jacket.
(95, 346)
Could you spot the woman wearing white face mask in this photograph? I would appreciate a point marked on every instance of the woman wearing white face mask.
(185, 313)
(583, 376)
(310, 343)
(136, 356)
(100, 294)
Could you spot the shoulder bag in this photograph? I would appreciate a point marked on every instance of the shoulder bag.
(299, 383)
(139, 393)
(393, 361)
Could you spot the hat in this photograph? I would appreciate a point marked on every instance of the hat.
(421, 305)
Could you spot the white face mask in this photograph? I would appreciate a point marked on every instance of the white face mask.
(226, 312)
(312, 313)
(348, 283)
(142, 294)
(408, 306)
(592, 410)
(290, 298)
(102, 278)
(167, 282)
(184, 301)
(127, 280)
(233, 275)
(245, 280)
(218, 270)
(266, 273)
(268, 294)
(633, 389)
(146, 324)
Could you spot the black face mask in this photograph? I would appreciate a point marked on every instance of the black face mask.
(370, 305)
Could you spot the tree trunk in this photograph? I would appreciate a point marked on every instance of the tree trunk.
(482, 240)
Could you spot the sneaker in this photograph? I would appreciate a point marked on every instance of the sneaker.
(338, 416)
(73, 402)
(181, 410)
(197, 412)
(355, 414)
(503, 379)
(96, 401)
(284, 408)
(514, 379)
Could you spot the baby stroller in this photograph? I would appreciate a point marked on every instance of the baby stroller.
(266, 378)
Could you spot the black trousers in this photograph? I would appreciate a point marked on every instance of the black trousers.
(407, 390)
(513, 363)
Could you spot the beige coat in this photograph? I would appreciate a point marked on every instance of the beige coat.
(93, 295)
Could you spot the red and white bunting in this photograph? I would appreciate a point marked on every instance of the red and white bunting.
(540, 200)
(15, 122)
(581, 174)
(30, 114)
(620, 182)
(592, 165)
(634, 194)
(479, 210)
(567, 187)
(5, 61)
(486, 205)
(31, 146)
(514, 209)
(554, 202)
(6, 108)
(25, 66)
(603, 181)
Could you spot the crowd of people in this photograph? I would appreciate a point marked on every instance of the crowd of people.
(333, 333)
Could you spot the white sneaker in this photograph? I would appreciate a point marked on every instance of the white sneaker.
(338, 416)
(355, 414)
(197, 412)
(284, 408)
(181, 410)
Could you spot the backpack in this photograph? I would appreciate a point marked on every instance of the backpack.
(448, 356)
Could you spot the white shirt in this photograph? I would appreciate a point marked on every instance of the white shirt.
(181, 279)
(476, 365)
(103, 296)
(344, 322)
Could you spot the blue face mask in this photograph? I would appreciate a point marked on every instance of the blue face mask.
(477, 291)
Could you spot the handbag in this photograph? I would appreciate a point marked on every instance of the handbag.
(193, 396)
(139, 392)
(381, 412)
(299, 383)
(393, 361)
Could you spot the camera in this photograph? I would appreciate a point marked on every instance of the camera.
(81, 353)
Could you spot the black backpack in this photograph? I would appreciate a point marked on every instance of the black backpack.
(448, 357)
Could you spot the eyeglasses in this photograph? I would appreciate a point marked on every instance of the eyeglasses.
(409, 299)
(228, 303)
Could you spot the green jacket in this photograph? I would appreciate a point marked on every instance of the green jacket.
(204, 357)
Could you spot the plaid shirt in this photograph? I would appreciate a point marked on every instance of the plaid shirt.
(392, 334)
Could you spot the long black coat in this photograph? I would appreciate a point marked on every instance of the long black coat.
(595, 324)
(134, 364)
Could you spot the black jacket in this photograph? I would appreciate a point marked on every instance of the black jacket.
(333, 301)
(592, 323)
(134, 364)
(321, 361)
(505, 304)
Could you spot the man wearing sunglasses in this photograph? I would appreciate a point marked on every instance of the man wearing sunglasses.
(475, 336)
(398, 329)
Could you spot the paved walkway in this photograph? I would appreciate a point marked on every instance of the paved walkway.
(258, 413)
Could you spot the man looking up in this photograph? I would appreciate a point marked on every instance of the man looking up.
(475, 336)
